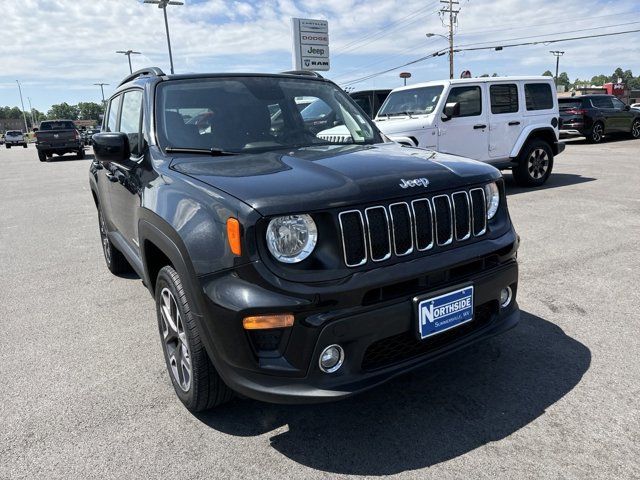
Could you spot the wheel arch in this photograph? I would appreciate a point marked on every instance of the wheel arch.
(546, 134)
(160, 245)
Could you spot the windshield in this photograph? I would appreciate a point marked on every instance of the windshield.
(14, 133)
(413, 101)
(245, 114)
(57, 126)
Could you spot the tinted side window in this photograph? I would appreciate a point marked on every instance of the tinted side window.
(130, 119)
(365, 104)
(538, 96)
(618, 104)
(469, 98)
(602, 102)
(112, 120)
(504, 98)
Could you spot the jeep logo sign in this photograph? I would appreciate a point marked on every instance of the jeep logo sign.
(416, 182)
(310, 44)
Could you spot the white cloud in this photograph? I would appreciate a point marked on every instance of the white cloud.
(59, 48)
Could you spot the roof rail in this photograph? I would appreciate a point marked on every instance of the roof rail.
(154, 71)
(307, 73)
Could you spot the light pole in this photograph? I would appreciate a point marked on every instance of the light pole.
(102, 90)
(557, 54)
(33, 120)
(163, 5)
(450, 40)
(24, 116)
(128, 53)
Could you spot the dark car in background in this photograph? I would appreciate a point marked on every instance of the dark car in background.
(58, 137)
(88, 135)
(597, 116)
(370, 100)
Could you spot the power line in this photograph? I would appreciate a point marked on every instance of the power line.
(545, 34)
(519, 26)
(389, 29)
(493, 47)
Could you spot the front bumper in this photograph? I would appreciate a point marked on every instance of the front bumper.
(379, 337)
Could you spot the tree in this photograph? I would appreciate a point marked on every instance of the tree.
(10, 112)
(599, 80)
(90, 111)
(563, 79)
(547, 74)
(63, 111)
(495, 74)
(484, 75)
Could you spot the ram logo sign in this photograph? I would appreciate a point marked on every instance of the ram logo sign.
(310, 44)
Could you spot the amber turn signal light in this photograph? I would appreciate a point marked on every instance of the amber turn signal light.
(262, 322)
(233, 236)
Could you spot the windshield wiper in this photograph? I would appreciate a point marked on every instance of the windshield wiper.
(214, 152)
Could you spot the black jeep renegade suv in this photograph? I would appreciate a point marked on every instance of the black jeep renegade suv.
(284, 265)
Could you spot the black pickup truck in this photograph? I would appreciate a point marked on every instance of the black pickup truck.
(58, 137)
(285, 266)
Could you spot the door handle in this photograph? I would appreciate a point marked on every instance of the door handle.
(513, 123)
(478, 127)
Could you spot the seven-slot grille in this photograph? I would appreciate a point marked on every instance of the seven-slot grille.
(401, 228)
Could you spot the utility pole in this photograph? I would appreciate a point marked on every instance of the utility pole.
(24, 116)
(453, 18)
(33, 120)
(557, 54)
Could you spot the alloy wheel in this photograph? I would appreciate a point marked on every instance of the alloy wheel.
(175, 340)
(538, 163)
(106, 247)
(597, 132)
(635, 129)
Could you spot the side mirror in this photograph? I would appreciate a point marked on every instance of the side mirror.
(627, 108)
(111, 147)
(451, 110)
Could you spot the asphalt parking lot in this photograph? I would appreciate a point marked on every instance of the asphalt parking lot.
(85, 393)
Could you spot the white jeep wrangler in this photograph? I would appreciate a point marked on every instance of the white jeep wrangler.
(509, 122)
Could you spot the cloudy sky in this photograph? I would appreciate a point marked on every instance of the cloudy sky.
(59, 48)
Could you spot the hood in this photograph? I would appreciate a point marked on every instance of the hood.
(393, 125)
(315, 178)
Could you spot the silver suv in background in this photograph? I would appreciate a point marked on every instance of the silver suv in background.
(15, 138)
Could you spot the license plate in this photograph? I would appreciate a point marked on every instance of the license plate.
(443, 312)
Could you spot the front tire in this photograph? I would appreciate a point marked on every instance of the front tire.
(597, 133)
(115, 260)
(195, 380)
(535, 164)
(635, 129)
(81, 154)
(24, 145)
(8, 147)
(42, 156)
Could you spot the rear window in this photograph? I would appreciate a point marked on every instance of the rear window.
(539, 96)
(504, 98)
(57, 126)
(14, 133)
(569, 104)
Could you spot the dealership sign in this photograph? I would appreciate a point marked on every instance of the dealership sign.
(310, 44)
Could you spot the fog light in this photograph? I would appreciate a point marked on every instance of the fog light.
(331, 358)
(505, 297)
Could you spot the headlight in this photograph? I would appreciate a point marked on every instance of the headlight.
(292, 238)
(492, 194)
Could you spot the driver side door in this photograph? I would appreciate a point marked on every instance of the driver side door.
(467, 133)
